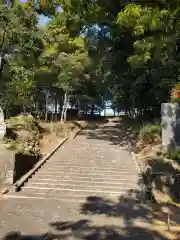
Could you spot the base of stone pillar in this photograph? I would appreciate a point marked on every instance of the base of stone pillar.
(6, 165)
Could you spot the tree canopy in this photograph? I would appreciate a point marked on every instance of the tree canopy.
(90, 51)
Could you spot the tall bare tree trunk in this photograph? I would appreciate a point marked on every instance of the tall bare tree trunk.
(7, 113)
(24, 109)
(55, 105)
(64, 106)
(52, 115)
(46, 112)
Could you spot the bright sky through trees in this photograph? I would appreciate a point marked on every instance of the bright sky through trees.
(43, 19)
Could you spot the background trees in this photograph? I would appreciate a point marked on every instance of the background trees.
(89, 52)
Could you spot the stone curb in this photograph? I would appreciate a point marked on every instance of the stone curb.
(75, 135)
(139, 169)
(135, 162)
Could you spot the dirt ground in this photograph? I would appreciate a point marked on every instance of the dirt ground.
(58, 131)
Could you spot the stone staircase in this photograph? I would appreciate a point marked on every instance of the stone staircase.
(86, 190)
(81, 168)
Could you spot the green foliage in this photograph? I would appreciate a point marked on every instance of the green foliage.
(68, 59)
(20, 47)
(12, 144)
(21, 85)
(173, 153)
(28, 135)
(93, 50)
(23, 122)
(29, 146)
(150, 133)
(176, 100)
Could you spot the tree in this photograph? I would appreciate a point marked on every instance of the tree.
(68, 59)
(97, 50)
(20, 47)
(154, 59)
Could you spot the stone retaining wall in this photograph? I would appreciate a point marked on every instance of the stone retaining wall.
(13, 166)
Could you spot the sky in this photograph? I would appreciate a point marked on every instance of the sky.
(43, 19)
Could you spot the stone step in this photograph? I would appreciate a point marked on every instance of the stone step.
(79, 182)
(68, 192)
(86, 161)
(97, 163)
(40, 175)
(72, 172)
(63, 196)
(80, 186)
(49, 166)
(95, 166)
(27, 195)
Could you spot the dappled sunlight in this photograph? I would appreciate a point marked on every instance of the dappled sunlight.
(113, 132)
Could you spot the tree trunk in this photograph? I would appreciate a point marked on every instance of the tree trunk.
(46, 116)
(52, 110)
(24, 109)
(35, 105)
(7, 113)
(92, 109)
(52, 116)
(46, 110)
(64, 106)
(55, 104)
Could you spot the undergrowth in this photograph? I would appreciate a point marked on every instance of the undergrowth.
(23, 135)
(150, 133)
(173, 153)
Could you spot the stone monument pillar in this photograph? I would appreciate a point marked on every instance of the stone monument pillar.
(2, 125)
(170, 116)
(6, 158)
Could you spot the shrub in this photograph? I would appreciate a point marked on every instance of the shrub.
(28, 135)
(30, 146)
(173, 153)
(150, 133)
(23, 122)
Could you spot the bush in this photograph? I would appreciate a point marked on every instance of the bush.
(150, 133)
(23, 122)
(30, 146)
(173, 153)
(28, 135)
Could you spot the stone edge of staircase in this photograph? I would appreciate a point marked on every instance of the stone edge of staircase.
(24, 178)
(138, 167)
